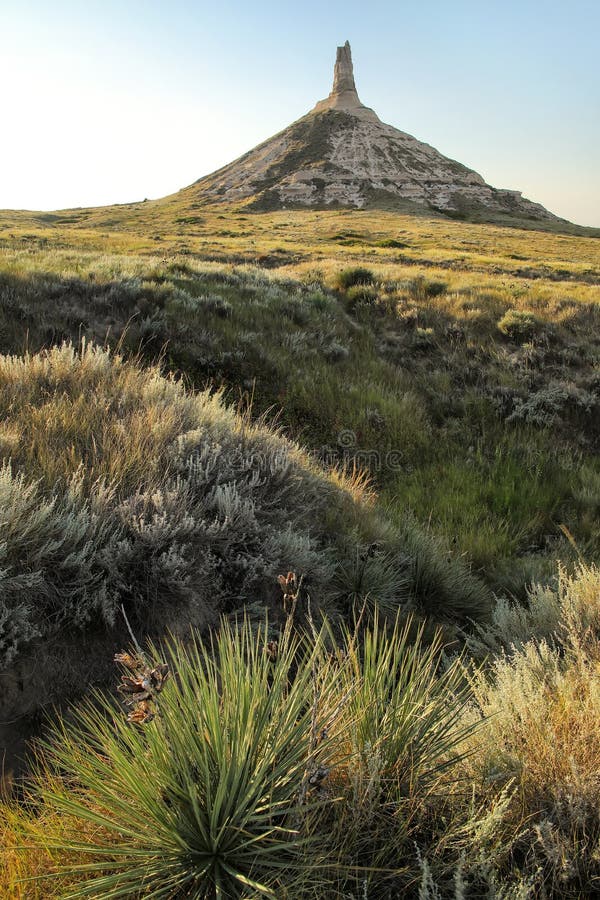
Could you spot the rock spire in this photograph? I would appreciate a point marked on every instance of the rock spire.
(343, 94)
(343, 73)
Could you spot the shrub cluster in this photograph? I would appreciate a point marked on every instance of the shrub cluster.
(351, 277)
(422, 289)
(520, 325)
(125, 489)
(294, 763)
(558, 405)
(541, 701)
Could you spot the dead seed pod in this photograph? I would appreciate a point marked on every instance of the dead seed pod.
(127, 660)
(158, 676)
(140, 685)
(290, 586)
(271, 649)
(142, 714)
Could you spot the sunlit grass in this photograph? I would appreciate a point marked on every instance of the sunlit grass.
(420, 375)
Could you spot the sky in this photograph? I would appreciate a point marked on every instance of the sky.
(112, 101)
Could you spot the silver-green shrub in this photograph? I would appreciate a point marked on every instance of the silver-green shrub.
(126, 489)
(53, 562)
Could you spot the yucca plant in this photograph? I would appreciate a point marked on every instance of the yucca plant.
(406, 727)
(373, 578)
(290, 765)
(404, 707)
(210, 798)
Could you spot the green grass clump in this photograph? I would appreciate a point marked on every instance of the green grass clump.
(438, 580)
(357, 275)
(391, 244)
(361, 295)
(519, 325)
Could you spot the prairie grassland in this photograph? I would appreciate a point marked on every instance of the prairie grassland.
(472, 367)
(330, 238)
(405, 411)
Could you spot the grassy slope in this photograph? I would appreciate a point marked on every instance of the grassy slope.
(425, 376)
(422, 371)
(121, 489)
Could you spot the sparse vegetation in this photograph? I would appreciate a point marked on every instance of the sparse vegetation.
(405, 412)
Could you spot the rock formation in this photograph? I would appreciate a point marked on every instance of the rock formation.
(341, 155)
(343, 94)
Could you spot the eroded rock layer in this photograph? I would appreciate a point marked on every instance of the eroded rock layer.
(341, 154)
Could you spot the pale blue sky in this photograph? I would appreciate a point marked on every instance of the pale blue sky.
(108, 102)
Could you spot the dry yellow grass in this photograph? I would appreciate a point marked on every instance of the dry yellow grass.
(324, 239)
(541, 741)
(29, 869)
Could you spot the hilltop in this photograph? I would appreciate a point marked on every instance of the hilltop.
(341, 155)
